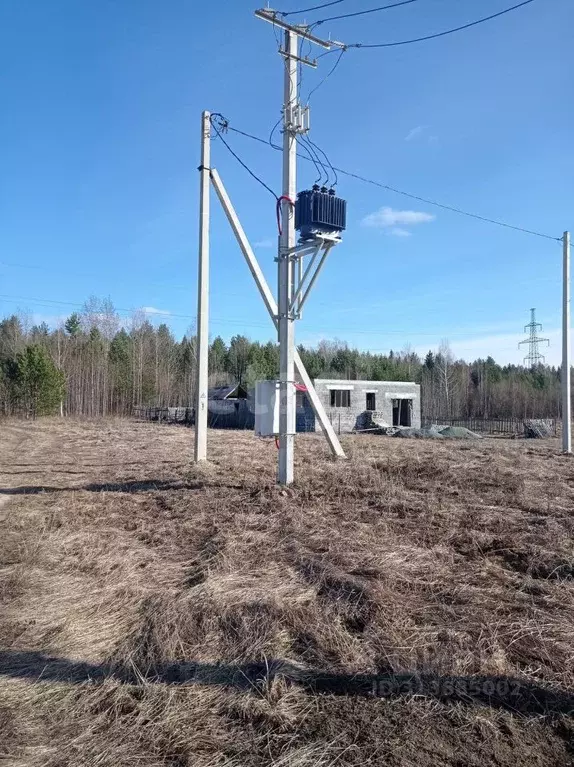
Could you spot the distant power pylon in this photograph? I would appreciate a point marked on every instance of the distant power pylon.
(533, 358)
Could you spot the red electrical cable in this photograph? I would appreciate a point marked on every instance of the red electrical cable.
(277, 442)
(278, 210)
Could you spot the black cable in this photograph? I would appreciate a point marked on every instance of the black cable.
(328, 75)
(319, 165)
(362, 13)
(314, 8)
(447, 207)
(315, 160)
(440, 34)
(273, 129)
(223, 126)
(329, 163)
(408, 194)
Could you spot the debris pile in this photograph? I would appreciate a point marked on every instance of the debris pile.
(538, 428)
(459, 432)
(409, 432)
(433, 432)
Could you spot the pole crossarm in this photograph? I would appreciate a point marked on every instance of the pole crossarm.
(271, 305)
(267, 14)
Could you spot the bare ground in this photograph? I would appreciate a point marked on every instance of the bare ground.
(411, 606)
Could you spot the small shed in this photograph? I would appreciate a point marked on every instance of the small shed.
(229, 391)
(229, 407)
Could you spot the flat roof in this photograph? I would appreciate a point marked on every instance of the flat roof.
(361, 382)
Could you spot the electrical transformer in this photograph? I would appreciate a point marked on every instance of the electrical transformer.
(319, 211)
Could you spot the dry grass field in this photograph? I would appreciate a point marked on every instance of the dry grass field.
(411, 606)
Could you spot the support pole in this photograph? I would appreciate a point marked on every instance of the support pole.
(285, 267)
(202, 372)
(271, 306)
(566, 348)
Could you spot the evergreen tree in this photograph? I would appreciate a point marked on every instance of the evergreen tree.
(73, 325)
(37, 384)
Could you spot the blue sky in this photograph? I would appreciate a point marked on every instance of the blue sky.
(100, 145)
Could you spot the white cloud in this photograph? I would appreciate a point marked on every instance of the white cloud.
(414, 133)
(153, 310)
(395, 221)
(269, 243)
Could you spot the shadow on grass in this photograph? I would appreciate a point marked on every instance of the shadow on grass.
(132, 486)
(502, 692)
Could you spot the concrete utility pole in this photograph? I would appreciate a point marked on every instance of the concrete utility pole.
(286, 266)
(295, 120)
(565, 373)
(202, 376)
(294, 283)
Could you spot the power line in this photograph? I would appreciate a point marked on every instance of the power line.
(440, 34)
(311, 148)
(313, 8)
(328, 75)
(436, 204)
(362, 13)
(329, 163)
(224, 126)
(234, 320)
(129, 312)
(447, 207)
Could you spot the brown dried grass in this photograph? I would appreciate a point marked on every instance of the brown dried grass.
(157, 613)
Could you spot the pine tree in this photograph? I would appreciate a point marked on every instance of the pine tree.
(73, 325)
(37, 384)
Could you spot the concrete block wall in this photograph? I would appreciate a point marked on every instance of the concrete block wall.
(356, 416)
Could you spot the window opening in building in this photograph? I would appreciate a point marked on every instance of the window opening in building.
(340, 398)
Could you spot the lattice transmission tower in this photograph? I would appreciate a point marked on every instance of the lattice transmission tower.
(533, 358)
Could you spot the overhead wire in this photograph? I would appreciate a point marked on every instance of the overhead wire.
(389, 188)
(311, 148)
(231, 320)
(223, 126)
(313, 8)
(364, 12)
(441, 34)
(327, 76)
(329, 163)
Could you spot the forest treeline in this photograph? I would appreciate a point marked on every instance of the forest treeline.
(95, 364)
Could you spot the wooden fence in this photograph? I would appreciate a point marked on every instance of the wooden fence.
(241, 418)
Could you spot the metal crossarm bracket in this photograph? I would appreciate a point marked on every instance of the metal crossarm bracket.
(303, 288)
(271, 305)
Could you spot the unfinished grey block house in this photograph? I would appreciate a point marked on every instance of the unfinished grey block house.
(356, 404)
